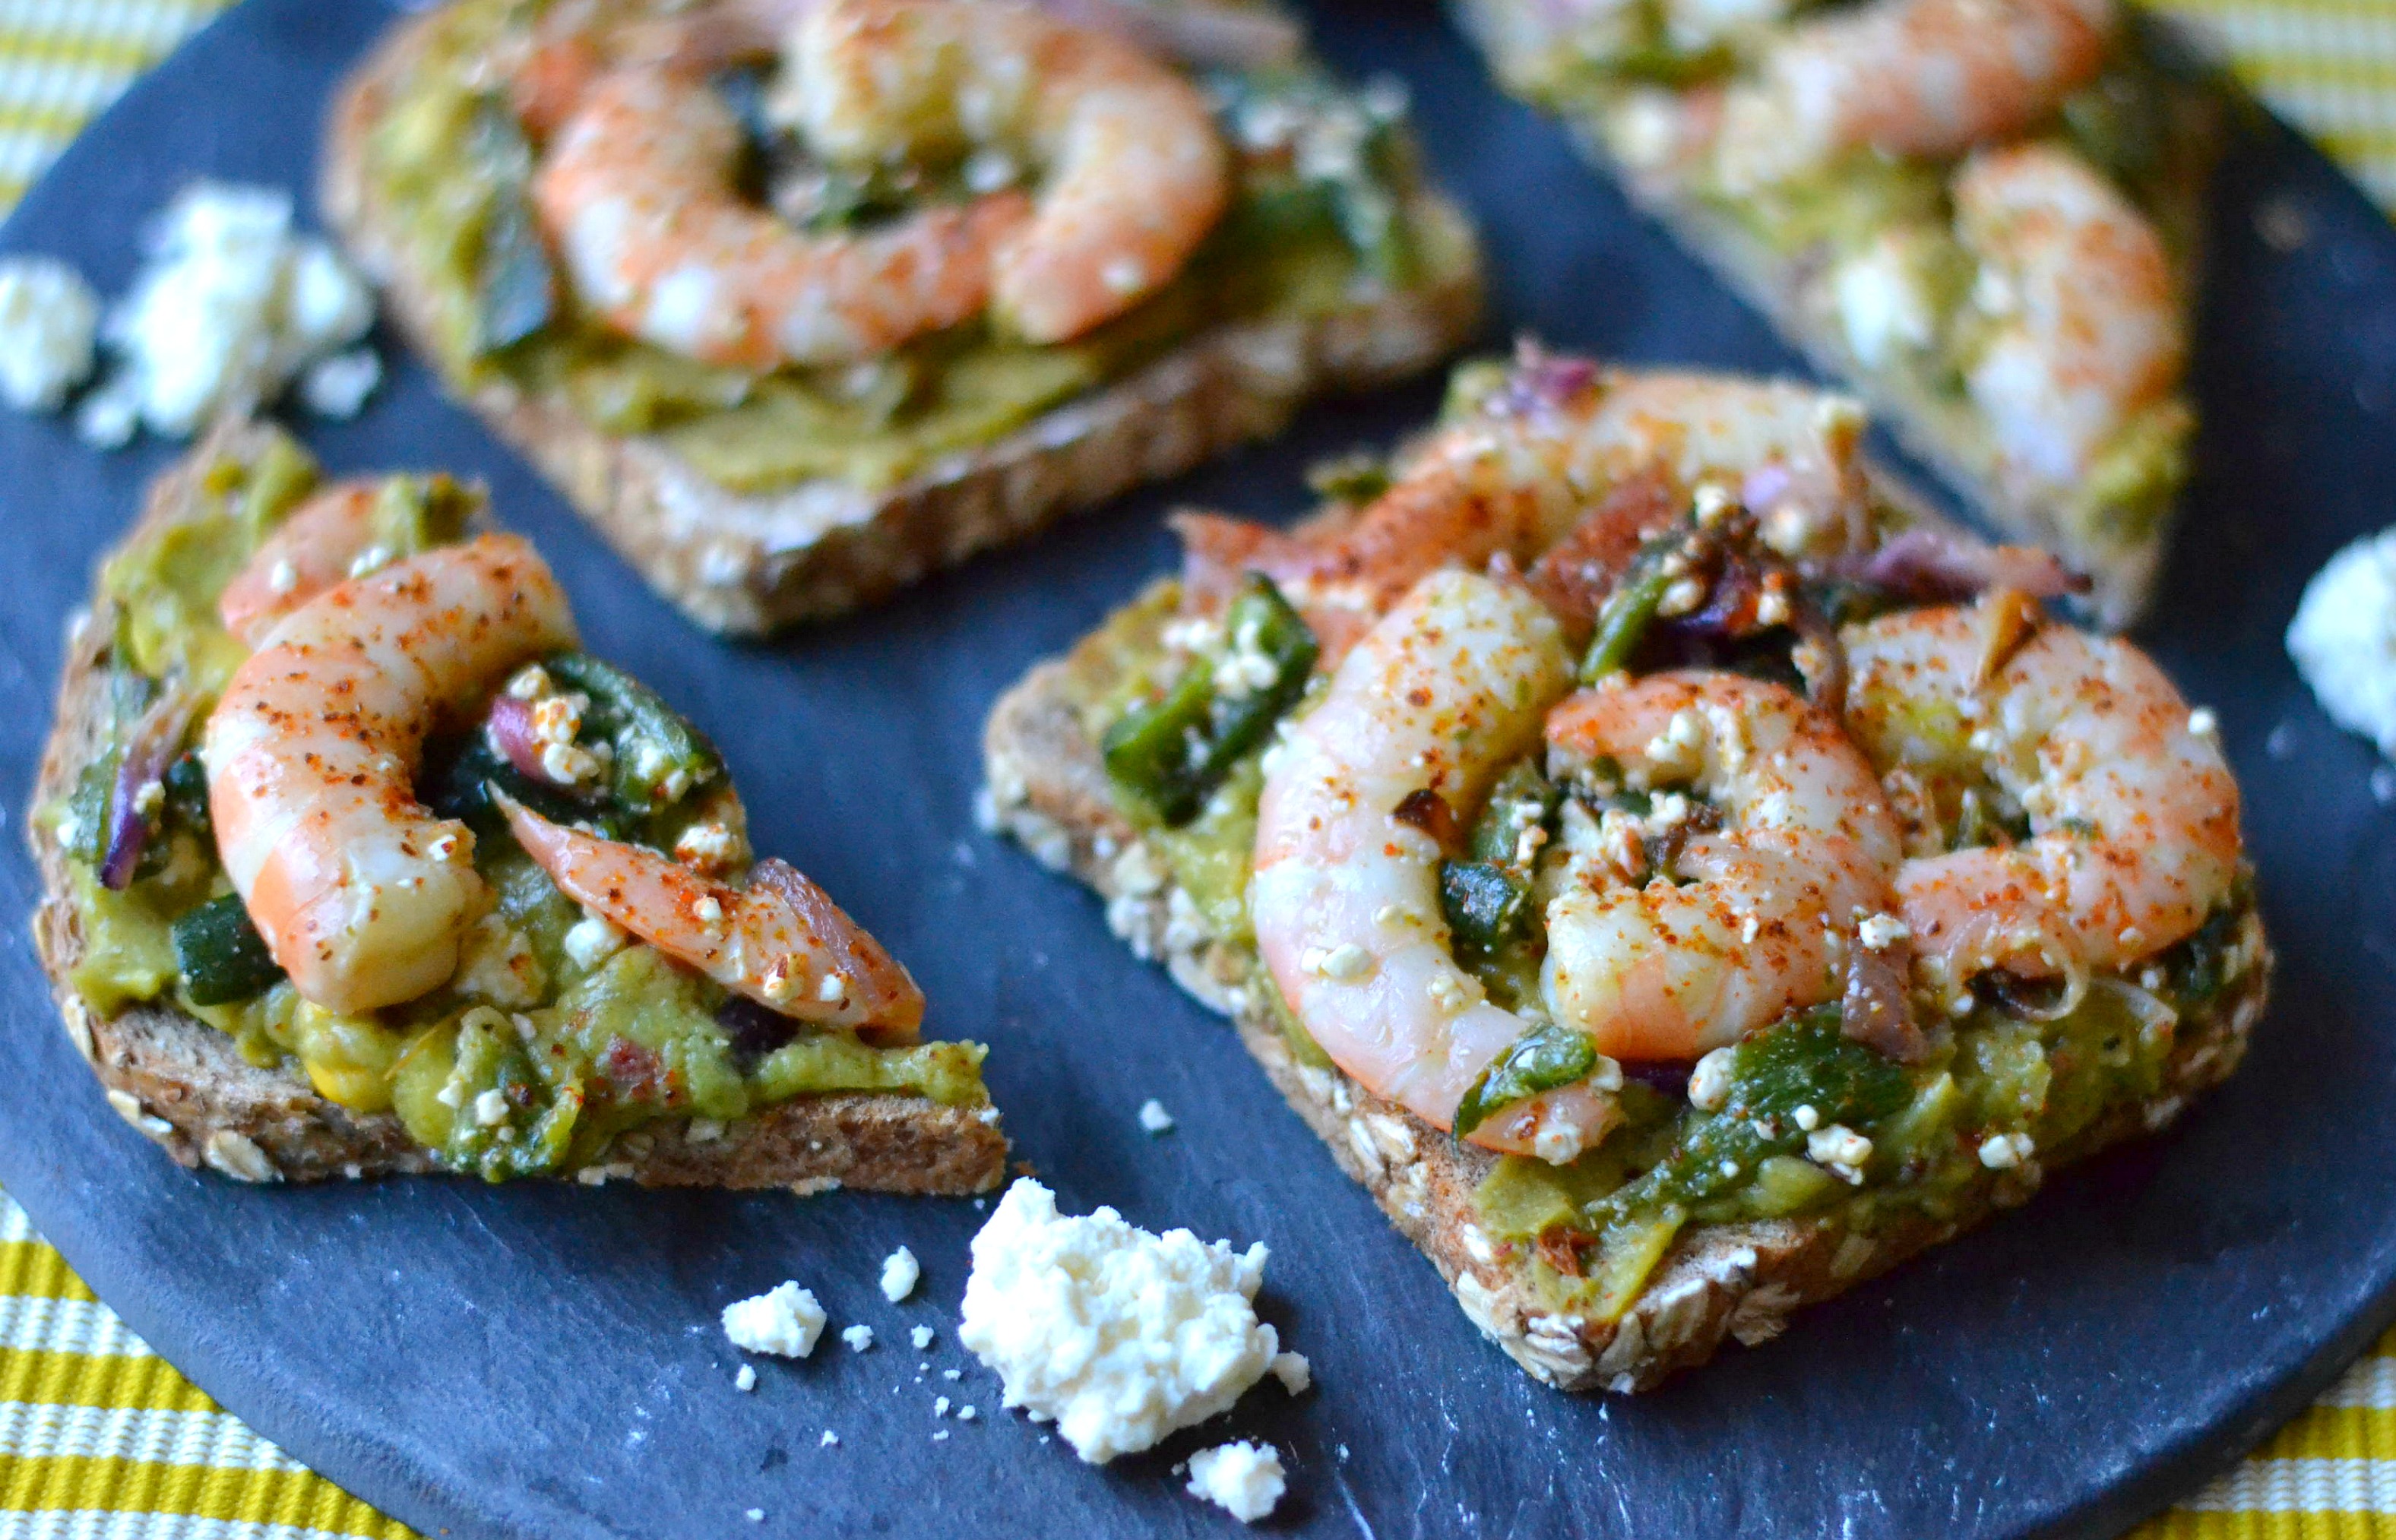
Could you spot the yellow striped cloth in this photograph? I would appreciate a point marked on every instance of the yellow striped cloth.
(101, 1440)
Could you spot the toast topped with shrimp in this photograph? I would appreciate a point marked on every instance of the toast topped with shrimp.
(1676, 877)
(355, 863)
(797, 303)
(1985, 215)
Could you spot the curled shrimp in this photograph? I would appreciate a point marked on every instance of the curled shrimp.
(2132, 810)
(1794, 847)
(1517, 477)
(1133, 173)
(1438, 697)
(361, 896)
(779, 940)
(1910, 77)
(636, 192)
(2088, 326)
(317, 547)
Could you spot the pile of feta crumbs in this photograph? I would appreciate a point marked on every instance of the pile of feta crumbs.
(229, 308)
(785, 1321)
(2344, 638)
(1117, 1335)
(1245, 1480)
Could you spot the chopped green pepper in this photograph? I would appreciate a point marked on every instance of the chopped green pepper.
(1170, 754)
(516, 293)
(1486, 905)
(1542, 1059)
(1622, 623)
(659, 757)
(223, 957)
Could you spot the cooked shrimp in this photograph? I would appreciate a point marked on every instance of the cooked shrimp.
(1439, 697)
(636, 192)
(320, 546)
(2088, 319)
(1132, 174)
(1910, 77)
(1516, 478)
(1752, 919)
(361, 895)
(2132, 810)
(780, 941)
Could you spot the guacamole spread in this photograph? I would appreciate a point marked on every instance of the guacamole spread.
(1329, 212)
(558, 1032)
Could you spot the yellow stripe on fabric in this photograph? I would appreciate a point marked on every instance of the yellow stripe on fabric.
(31, 1268)
(71, 1379)
(292, 1497)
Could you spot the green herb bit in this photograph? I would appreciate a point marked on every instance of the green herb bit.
(1542, 1059)
(1486, 905)
(223, 957)
(413, 514)
(1629, 610)
(1171, 755)
(1524, 799)
(659, 757)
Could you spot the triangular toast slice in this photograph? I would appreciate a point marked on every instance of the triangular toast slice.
(561, 1046)
(764, 500)
(1579, 1310)
(1891, 267)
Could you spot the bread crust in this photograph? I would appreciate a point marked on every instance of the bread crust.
(183, 1083)
(1933, 430)
(750, 564)
(1047, 788)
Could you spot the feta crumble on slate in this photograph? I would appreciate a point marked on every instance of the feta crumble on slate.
(1245, 1480)
(900, 1271)
(226, 312)
(2344, 638)
(48, 318)
(1117, 1335)
(785, 1321)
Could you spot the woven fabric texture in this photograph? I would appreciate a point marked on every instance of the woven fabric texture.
(101, 1439)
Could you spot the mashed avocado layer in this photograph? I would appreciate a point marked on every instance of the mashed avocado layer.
(553, 1036)
(2011, 1081)
(1312, 230)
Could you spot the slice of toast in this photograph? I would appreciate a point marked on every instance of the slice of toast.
(756, 562)
(183, 1084)
(2123, 555)
(1047, 787)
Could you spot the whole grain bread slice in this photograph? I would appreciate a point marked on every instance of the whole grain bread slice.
(756, 562)
(183, 1084)
(1047, 788)
(1942, 431)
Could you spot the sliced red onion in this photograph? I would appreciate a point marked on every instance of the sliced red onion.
(511, 732)
(1936, 564)
(1542, 381)
(156, 738)
(1877, 1009)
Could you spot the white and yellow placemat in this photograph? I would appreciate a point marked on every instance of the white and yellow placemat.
(101, 1439)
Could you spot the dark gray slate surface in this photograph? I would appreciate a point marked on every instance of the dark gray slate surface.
(543, 1361)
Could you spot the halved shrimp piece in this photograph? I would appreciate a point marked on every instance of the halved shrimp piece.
(1910, 77)
(360, 894)
(1794, 847)
(1439, 698)
(2132, 809)
(780, 941)
(1514, 478)
(2088, 322)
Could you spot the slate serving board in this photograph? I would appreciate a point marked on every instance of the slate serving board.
(543, 1361)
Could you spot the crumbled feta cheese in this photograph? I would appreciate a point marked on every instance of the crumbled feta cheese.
(1345, 963)
(1709, 1081)
(900, 1271)
(785, 1321)
(491, 1107)
(2344, 638)
(1558, 1144)
(1806, 1117)
(1878, 932)
(497, 963)
(940, 1406)
(108, 417)
(952, 1374)
(1154, 1118)
(922, 1337)
(1245, 1480)
(337, 387)
(1295, 1374)
(746, 1379)
(593, 939)
(711, 845)
(48, 318)
(229, 306)
(1883, 306)
(756, 1516)
(858, 1337)
(1841, 1150)
(1118, 1336)
(2004, 1151)
(966, 1414)
(828, 1440)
